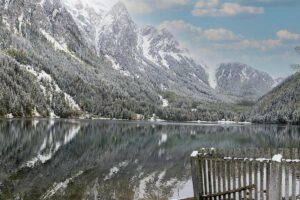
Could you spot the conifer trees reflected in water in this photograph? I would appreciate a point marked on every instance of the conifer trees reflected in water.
(69, 159)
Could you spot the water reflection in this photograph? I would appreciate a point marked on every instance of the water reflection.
(81, 159)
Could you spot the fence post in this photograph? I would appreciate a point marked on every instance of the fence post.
(276, 180)
(197, 175)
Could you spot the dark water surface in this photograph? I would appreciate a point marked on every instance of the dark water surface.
(85, 159)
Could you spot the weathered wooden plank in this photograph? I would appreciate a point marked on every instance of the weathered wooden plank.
(261, 168)
(294, 155)
(251, 178)
(280, 151)
(293, 169)
(204, 172)
(230, 191)
(214, 176)
(256, 180)
(239, 174)
(287, 180)
(245, 178)
(268, 189)
(209, 177)
(197, 176)
(234, 168)
(219, 176)
(224, 178)
(274, 174)
(228, 178)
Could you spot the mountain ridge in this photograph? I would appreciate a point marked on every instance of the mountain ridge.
(83, 62)
(243, 81)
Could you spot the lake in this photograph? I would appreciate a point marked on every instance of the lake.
(94, 159)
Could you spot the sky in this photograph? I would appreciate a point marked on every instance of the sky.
(260, 33)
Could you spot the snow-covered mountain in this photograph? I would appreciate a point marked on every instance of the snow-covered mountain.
(48, 65)
(243, 81)
(66, 58)
(156, 57)
(148, 54)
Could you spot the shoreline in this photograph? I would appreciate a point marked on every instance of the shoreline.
(158, 121)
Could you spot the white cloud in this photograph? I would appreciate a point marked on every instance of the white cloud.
(220, 34)
(286, 35)
(94, 3)
(263, 45)
(207, 3)
(198, 33)
(138, 7)
(214, 8)
(148, 6)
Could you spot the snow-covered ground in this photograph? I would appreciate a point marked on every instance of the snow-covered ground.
(165, 102)
(57, 45)
(43, 76)
(212, 80)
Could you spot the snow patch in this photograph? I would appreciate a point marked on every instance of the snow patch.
(117, 67)
(53, 148)
(60, 186)
(194, 154)
(226, 122)
(114, 170)
(71, 134)
(163, 139)
(145, 44)
(36, 113)
(5, 22)
(212, 79)
(9, 116)
(43, 76)
(57, 46)
(139, 192)
(6, 4)
(43, 158)
(42, 3)
(20, 19)
(277, 158)
(244, 75)
(165, 102)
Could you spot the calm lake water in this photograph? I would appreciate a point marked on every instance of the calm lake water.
(85, 159)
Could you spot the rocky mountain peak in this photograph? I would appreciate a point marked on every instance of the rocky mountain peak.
(117, 33)
(120, 13)
(241, 80)
(120, 7)
(161, 39)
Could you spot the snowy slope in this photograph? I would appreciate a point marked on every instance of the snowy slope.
(243, 81)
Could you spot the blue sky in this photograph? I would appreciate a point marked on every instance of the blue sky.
(260, 33)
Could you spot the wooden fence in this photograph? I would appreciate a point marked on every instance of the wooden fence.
(271, 174)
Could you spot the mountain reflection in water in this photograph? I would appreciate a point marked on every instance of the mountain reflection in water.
(85, 159)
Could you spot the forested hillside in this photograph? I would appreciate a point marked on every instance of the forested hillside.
(50, 69)
(282, 105)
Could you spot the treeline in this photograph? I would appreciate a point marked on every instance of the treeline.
(282, 105)
(95, 86)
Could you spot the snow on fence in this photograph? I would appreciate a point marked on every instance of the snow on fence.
(271, 174)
